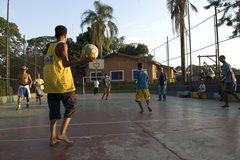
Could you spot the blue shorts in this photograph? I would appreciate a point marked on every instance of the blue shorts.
(23, 91)
(229, 87)
(54, 102)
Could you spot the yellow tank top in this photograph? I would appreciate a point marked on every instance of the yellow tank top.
(57, 78)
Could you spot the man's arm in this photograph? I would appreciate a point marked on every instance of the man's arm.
(30, 80)
(62, 52)
(165, 82)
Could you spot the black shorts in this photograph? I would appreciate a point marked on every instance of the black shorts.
(68, 100)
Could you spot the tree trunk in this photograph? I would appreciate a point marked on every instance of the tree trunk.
(182, 42)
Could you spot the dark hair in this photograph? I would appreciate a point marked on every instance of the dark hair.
(222, 56)
(139, 65)
(60, 30)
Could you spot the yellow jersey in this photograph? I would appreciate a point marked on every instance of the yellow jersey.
(57, 78)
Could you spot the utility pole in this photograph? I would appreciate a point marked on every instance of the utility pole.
(35, 61)
(190, 45)
(7, 54)
(168, 64)
(24, 50)
(217, 42)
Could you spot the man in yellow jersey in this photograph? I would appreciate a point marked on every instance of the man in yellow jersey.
(59, 85)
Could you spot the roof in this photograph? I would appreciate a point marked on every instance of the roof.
(137, 58)
(129, 56)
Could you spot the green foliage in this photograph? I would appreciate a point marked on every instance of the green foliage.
(134, 49)
(39, 44)
(231, 14)
(117, 44)
(178, 9)
(15, 47)
(102, 27)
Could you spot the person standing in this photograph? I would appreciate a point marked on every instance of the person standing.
(141, 78)
(96, 86)
(25, 83)
(229, 80)
(162, 80)
(39, 86)
(106, 86)
(59, 85)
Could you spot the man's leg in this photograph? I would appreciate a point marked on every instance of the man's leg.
(54, 114)
(53, 132)
(160, 93)
(148, 106)
(69, 102)
(104, 92)
(103, 95)
(164, 92)
(28, 99)
(19, 103)
(236, 96)
(138, 99)
(141, 107)
(108, 90)
(147, 96)
(63, 132)
(225, 100)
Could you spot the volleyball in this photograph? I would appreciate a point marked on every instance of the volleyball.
(89, 51)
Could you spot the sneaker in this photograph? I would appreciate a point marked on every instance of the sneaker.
(18, 108)
(27, 105)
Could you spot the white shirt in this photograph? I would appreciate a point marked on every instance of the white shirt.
(202, 88)
(96, 84)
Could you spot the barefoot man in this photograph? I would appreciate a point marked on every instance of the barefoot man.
(59, 85)
(141, 78)
(25, 83)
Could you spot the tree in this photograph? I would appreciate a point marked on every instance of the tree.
(231, 14)
(83, 39)
(36, 48)
(134, 49)
(178, 10)
(15, 42)
(103, 29)
(15, 46)
(117, 44)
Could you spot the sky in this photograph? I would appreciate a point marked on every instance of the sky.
(139, 21)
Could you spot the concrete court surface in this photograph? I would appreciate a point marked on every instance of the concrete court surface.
(178, 129)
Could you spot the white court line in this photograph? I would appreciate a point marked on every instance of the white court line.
(106, 135)
(107, 123)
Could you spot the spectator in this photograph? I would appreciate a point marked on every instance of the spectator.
(186, 93)
(202, 89)
(162, 84)
(96, 86)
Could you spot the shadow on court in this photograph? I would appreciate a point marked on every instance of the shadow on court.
(178, 129)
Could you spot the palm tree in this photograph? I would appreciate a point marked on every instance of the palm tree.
(178, 10)
(103, 29)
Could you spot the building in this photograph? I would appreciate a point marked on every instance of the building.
(121, 68)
